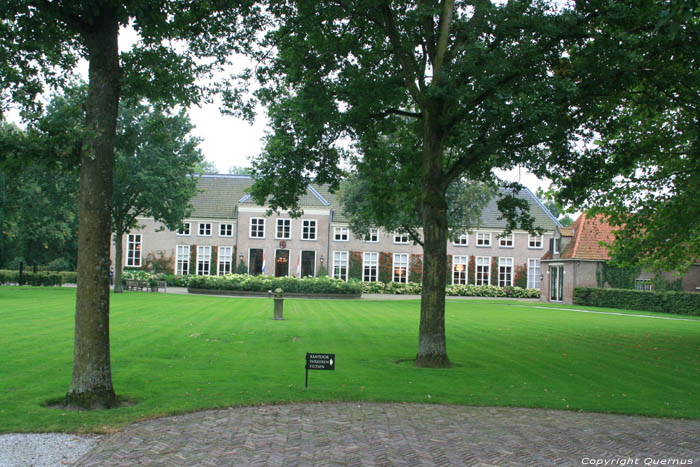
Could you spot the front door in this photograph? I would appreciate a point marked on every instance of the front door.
(281, 263)
(556, 283)
(308, 263)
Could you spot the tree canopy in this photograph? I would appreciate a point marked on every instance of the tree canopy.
(452, 89)
(180, 42)
(641, 165)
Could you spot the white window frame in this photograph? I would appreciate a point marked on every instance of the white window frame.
(204, 226)
(224, 228)
(340, 259)
(185, 232)
(204, 260)
(134, 245)
(400, 260)
(483, 239)
(555, 245)
(341, 234)
(506, 241)
(463, 274)
(508, 265)
(182, 258)
(309, 226)
(535, 242)
(372, 236)
(256, 222)
(462, 240)
(280, 222)
(224, 259)
(370, 259)
(479, 272)
(401, 238)
(534, 270)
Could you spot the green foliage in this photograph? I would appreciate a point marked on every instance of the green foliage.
(413, 288)
(241, 268)
(660, 284)
(355, 266)
(642, 168)
(494, 270)
(384, 274)
(159, 263)
(246, 283)
(616, 277)
(415, 271)
(31, 278)
(520, 277)
(681, 303)
(322, 271)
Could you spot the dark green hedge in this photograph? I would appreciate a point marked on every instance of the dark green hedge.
(679, 303)
(246, 283)
(30, 278)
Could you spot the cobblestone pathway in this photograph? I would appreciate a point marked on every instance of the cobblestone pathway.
(399, 434)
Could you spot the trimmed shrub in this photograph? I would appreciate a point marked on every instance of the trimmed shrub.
(246, 283)
(680, 303)
(413, 288)
(31, 278)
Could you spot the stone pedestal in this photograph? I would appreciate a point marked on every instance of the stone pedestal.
(279, 304)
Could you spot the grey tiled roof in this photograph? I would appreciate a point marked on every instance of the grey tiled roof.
(218, 196)
(543, 218)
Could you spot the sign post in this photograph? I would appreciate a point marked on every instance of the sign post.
(319, 361)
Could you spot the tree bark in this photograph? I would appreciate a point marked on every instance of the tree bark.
(432, 348)
(118, 263)
(91, 383)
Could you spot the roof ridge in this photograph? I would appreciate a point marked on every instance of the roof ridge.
(543, 207)
(578, 231)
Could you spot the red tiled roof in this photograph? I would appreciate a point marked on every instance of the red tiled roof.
(588, 232)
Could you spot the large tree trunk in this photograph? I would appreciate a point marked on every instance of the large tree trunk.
(118, 263)
(91, 384)
(432, 350)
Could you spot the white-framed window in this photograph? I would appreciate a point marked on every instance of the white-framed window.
(534, 241)
(340, 265)
(308, 229)
(203, 260)
(401, 238)
(463, 240)
(642, 284)
(225, 260)
(556, 244)
(341, 234)
(460, 264)
(505, 272)
(483, 239)
(400, 267)
(182, 265)
(225, 230)
(284, 229)
(204, 229)
(257, 227)
(370, 266)
(506, 241)
(184, 231)
(533, 273)
(372, 236)
(133, 250)
(482, 274)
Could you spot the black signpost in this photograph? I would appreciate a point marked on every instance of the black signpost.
(319, 361)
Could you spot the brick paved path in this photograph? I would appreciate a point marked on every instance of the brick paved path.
(397, 434)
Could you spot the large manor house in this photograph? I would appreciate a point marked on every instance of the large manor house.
(226, 228)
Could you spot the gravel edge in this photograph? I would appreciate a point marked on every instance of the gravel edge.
(44, 449)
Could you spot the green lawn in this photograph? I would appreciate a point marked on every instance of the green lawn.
(178, 353)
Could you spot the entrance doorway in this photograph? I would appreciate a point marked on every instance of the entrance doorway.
(281, 263)
(556, 283)
(308, 263)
